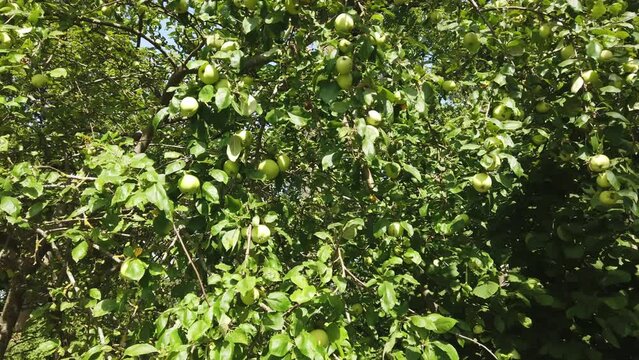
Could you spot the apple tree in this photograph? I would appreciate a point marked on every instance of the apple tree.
(243, 179)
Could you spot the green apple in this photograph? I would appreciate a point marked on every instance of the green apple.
(246, 137)
(545, 31)
(231, 168)
(606, 55)
(379, 38)
(182, 7)
(471, 42)
(608, 198)
(5, 40)
(478, 329)
(250, 4)
(542, 107)
(39, 80)
(247, 80)
(188, 106)
(449, 85)
(345, 46)
(357, 309)
(344, 65)
(395, 229)
(590, 76)
(344, 23)
(373, 118)
(260, 234)
(189, 184)
(320, 338)
(215, 41)
(269, 169)
(208, 74)
(567, 52)
(283, 162)
(250, 297)
(599, 163)
(495, 162)
(223, 83)
(602, 180)
(345, 81)
(107, 10)
(502, 112)
(392, 170)
(482, 182)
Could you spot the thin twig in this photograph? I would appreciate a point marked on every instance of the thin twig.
(345, 270)
(75, 177)
(248, 243)
(188, 256)
(478, 344)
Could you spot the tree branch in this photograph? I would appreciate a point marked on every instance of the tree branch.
(478, 344)
(188, 256)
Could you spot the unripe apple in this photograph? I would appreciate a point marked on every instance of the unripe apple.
(250, 296)
(231, 168)
(344, 23)
(373, 118)
(478, 329)
(260, 234)
(599, 163)
(471, 42)
(189, 184)
(320, 338)
(208, 74)
(107, 10)
(182, 7)
(5, 40)
(222, 83)
(345, 46)
(392, 170)
(602, 180)
(606, 55)
(567, 52)
(495, 163)
(501, 112)
(357, 309)
(538, 139)
(344, 65)
(545, 31)
(542, 107)
(39, 80)
(283, 162)
(482, 182)
(269, 169)
(608, 198)
(345, 81)
(590, 76)
(449, 85)
(395, 229)
(188, 106)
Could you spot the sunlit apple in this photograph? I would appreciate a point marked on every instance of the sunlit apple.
(188, 106)
(269, 169)
(189, 184)
(482, 182)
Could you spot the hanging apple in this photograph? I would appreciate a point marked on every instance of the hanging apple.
(395, 229)
(345, 81)
(260, 234)
(208, 74)
(481, 182)
(602, 180)
(320, 338)
(269, 169)
(344, 65)
(599, 163)
(344, 23)
(189, 184)
(609, 198)
(231, 168)
(283, 162)
(373, 118)
(39, 80)
(188, 107)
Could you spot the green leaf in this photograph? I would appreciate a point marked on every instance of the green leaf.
(104, 307)
(577, 84)
(234, 148)
(388, 296)
(486, 289)
(251, 23)
(413, 171)
(157, 196)
(122, 193)
(329, 91)
(197, 330)
(10, 205)
(219, 175)
(210, 193)
(448, 349)
(441, 323)
(95, 293)
(297, 120)
(140, 349)
(230, 239)
(48, 347)
(279, 345)
(593, 49)
(237, 336)
(59, 72)
(303, 295)
(80, 251)
(223, 98)
(575, 5)
(133, 269)
(206, 93)
(278, 301)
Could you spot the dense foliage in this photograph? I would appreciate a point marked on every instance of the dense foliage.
(217, 179)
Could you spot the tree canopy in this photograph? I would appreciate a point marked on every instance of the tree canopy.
(297, 179)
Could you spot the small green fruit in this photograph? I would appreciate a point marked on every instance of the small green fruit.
(231, 168)
(590, 76)
(260, 234)
(246, 137)
(344, 23)
(482, 182)
(501, 112)
(345, 81)
(609, 198)
(395, 229)
(599, 163)
(449, 85)
(542, 107)
(208, 74)
(357, 309)
(471, 42)
(189, 184)
(344, 65)
(283, 162)
(269, 169)
(250, 297)
(602, 180)
(392, 170)
(188, 107)
(345, 46)
(39, 80)
(606, 55)
(567, 52)
(545, 31)
(373, 118)
(320, 338)
(182, 7)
